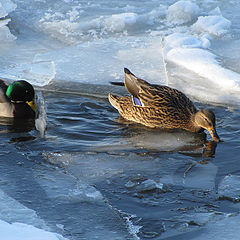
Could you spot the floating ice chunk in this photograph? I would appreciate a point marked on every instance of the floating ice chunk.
(182, 12)
(66, 188)
(216, 26)
(16, 231)
(118, 22)
(187, 41)
(41, 121)
(150, 185)
(229, 188)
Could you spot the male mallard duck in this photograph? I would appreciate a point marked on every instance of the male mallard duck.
(163, 107)
(17, 100)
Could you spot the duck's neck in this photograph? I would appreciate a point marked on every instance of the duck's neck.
(194, 126)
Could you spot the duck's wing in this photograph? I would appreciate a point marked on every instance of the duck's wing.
(138, 88)
(3, 89)
(145, 94)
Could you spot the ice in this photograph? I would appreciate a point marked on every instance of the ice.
(227, 228)
(13, 211)
(65, 188)
(118, 22)
(177, 40)
(20, 222)
(192, 53)
(5, 8)
(5, 34)
(41, 120)
(150, 185)
(110, 57)
(95, 167)
(215, 26)
(229, 188)
(182, 12)
(190, 175)
(205, 64)
(16, 231)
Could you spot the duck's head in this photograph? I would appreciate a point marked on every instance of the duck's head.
(205, 118)
(21, 92)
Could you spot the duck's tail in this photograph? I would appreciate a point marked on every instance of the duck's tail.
(117, 83)
(114, 100)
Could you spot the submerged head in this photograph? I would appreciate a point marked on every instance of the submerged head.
(206, 119)
(21, 92)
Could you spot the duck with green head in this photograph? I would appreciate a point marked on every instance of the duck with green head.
(17, 100)
(162, 107)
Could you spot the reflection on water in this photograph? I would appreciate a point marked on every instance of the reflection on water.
(135, 136)
(16, 125)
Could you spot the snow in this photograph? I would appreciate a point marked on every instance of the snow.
(182, 12)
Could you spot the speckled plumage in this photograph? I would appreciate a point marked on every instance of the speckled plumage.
(160, 107)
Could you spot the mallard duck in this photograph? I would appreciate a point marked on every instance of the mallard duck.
(162, 107)
(17, 100)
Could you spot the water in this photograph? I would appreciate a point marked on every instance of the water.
(81, 171)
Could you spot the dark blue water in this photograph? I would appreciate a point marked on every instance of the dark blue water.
(117, 158)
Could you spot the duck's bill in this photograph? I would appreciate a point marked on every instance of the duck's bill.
(32, 105)
(214, 135)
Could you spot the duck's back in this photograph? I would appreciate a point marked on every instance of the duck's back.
(168, 107)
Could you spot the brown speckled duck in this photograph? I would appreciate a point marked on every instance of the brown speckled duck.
(162, 107)
(17, 100)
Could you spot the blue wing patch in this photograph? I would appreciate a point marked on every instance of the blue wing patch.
(137, 101)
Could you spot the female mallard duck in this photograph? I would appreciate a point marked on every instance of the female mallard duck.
(17, 100)
(163, 107)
